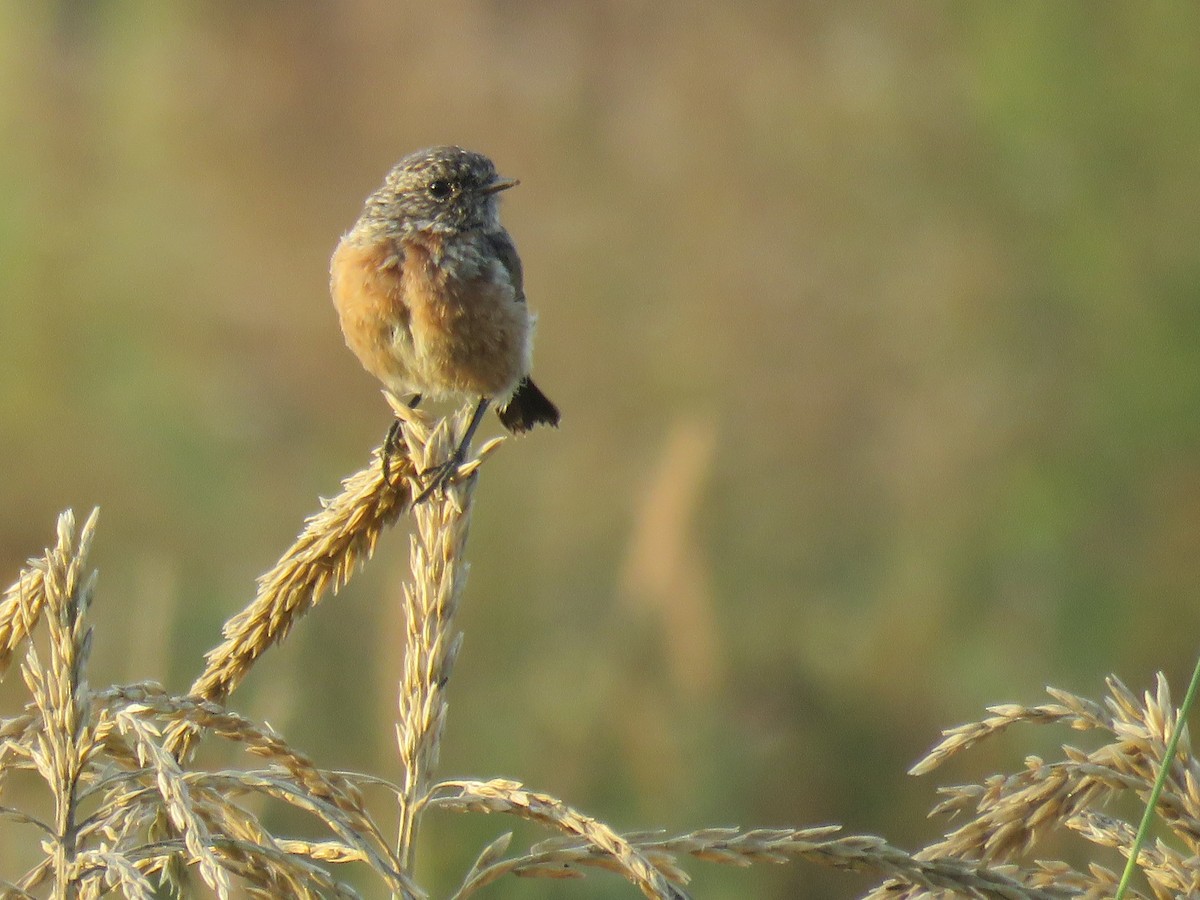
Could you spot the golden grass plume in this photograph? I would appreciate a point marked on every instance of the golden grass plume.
(132, 811)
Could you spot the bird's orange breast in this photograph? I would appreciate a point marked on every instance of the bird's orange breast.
(424, 319)
(367, 286)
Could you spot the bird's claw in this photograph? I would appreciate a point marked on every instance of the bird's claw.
(440, 476)
(390, 443)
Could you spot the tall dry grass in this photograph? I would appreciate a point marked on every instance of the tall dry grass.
(132, 812)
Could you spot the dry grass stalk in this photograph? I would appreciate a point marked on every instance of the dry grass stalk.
(1009, 815)
(259, 741)
(292, 778)
(103, 752)
(216, 834)
(178, 802)
(439, 570)
(117, 871)
(117, 753)
(20, 609)
(22, 602)
(1169, 872)
(563, 858)
(334, 541)
(60, 692)
(264, 871)
(499, 795)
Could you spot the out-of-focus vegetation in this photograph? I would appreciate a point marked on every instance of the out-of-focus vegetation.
(875, 330)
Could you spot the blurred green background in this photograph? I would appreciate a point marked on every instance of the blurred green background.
(874, 328)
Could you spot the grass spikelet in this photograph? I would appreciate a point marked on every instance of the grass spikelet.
(104, 752)
(20, 609)
(503, 796)
(333, 542)
(439, 571)
(116, 871)
(324, 556)
(176, 798)
(133, 814)
(1009, 815)
(60, 690)
(22, 602)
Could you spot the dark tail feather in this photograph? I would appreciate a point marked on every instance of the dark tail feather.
(526, 408)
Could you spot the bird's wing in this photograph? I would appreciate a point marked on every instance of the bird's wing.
(506, 251)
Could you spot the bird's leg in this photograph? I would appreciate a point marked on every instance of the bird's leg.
(392, 440)
(440, 475)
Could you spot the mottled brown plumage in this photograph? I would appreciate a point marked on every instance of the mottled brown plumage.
(430, 293)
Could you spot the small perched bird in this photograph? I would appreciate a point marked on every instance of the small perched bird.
(430, 294)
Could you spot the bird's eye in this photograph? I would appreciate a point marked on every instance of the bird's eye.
(439, 190)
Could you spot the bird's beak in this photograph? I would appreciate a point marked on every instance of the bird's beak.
(500, 184)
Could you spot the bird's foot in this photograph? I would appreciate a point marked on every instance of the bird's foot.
(390, 443)
(440, 476)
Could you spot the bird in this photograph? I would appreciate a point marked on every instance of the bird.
(429, 292)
